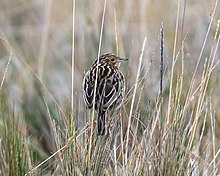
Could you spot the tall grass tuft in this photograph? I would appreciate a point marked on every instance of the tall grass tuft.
(16, 154)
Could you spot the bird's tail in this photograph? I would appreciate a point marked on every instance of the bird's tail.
(101, 123)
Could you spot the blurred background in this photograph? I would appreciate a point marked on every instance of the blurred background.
(41, 32)
(37, 36)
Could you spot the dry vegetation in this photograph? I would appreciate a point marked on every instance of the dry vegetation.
(45, 127)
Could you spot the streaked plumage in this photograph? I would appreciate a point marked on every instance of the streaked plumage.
(110, 87)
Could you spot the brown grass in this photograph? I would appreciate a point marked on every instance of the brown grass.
(162, 129)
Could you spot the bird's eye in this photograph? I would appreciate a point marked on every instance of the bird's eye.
(112, 60)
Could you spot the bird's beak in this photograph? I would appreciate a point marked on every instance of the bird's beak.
(123, 59)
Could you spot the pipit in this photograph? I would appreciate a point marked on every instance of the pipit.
(110, 87)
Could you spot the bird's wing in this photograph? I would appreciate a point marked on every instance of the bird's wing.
(88, 90)
(112, 89)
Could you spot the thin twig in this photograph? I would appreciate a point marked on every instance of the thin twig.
(95, 87)
(73, 52)
(132, 102)
(161, 57)
(173, 63)
(6, 70)
(116, 34)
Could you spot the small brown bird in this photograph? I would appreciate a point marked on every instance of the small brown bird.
(110, 88)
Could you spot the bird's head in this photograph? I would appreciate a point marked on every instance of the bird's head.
(111, 59)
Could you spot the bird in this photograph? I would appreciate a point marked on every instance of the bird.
(110, 87)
